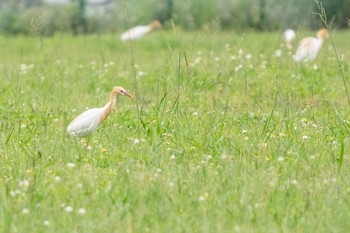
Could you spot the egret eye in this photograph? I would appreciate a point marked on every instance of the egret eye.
(122, 92)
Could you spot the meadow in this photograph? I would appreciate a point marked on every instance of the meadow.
(226, 133)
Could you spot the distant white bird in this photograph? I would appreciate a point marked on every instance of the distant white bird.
(88, 121)
(289, 37)
(139, 31)
(310, 46)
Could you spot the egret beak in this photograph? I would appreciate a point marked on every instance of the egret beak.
(127, 94)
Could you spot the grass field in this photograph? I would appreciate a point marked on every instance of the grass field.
(224, 135)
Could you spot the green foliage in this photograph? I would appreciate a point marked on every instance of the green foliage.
(224, 135)
(238, 15)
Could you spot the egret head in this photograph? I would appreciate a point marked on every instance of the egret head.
(121, 91)
(323, 33)
(155, 24)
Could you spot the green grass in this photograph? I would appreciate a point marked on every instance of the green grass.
(216, 140)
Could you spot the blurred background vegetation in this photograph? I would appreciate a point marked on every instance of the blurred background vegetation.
(46, 17)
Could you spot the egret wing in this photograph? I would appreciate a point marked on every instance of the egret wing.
(86, 123)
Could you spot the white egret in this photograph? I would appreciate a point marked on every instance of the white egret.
(88, 122)
(139, 31)
(310, 46)
(289, 37)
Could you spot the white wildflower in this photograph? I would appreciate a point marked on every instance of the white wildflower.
(81, 211)
(25, 211)
(70, 165)
(68, 209)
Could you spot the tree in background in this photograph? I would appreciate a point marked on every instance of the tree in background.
(78, 21)
(238, 15)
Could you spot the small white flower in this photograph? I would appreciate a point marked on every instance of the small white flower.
(46, 223)
(248, 56)
(24, 183)
(55, 120)
(334, 179)
(295, 182)
(312, 157)
(244, 131)
(68, 209)
(79, 185)
(171, 184)
(172, 157)
(81, 211)
(304, 137)
(89, 147)
(136, 141)
(57, 178)
(23, 126)
(70, 165)
(201, 198)
(277, 53)
(25, 211)
(280, 159)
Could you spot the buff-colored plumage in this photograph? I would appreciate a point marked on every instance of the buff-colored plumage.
(309, 47)
(88, 122)
(139, 31)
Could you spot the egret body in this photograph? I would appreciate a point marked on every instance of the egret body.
(139, 31)
(88, 122)
(289, 37)
(310, 46)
